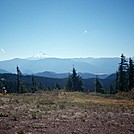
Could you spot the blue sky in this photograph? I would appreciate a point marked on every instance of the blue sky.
(66, 28)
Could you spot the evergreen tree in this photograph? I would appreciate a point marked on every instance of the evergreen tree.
(130, 74)
(33, 85)
(18, 79)
(98, 86)
(112, 90)
(122, 75)
(58, 86)
(69, 83)
(74, 82)
(40, 86)
(117, 81)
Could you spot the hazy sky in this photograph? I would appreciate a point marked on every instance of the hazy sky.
(66, 28)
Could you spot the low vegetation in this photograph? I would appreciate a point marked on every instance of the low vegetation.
(59, 112)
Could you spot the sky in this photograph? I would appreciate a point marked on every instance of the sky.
(66, 28)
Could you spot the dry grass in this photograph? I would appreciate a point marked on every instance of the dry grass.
(66, 112)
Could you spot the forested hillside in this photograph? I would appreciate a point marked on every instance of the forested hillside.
(42, 83)
(121, 81)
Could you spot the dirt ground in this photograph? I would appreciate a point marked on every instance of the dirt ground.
(65, 113)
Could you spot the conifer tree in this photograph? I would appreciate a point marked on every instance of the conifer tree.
(122, 75)
(33, 84)
(18, 79)
(111, 89)
(130, 74)
(117, 81)
(74, 82)
(98, 85)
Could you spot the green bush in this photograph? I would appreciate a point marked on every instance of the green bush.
(34, 116)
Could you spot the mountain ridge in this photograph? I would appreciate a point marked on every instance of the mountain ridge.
(62, 65)
(65, 75)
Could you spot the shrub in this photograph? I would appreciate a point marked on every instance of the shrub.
(14, 118)
(34, 116)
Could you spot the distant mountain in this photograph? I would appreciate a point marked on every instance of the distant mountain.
(38, 56)
(89, 75)
(52, 74)
(3, 71)
(65, 75)
(58, 65)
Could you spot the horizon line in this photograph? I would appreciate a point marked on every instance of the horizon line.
(50, 57)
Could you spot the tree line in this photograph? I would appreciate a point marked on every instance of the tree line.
(125, 75)
(124, 81)
(19, 83)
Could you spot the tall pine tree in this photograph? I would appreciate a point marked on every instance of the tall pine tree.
(19, 74)
(74, 82)
(33, 84)
(121, 75)
(98, 85)
(130, 74)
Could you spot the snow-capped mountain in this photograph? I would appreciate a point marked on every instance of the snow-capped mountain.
(37, 56)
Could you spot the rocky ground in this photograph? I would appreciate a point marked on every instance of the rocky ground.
(65, 113)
